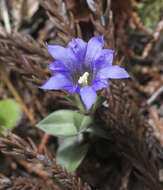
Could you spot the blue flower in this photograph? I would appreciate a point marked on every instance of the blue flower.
(83, 68)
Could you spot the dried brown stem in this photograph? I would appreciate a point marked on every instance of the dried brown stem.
(17, 96)
(41, 165)
(155, 37)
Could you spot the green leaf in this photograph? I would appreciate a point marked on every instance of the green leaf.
(65, 123)
(10, 112)
(98, 103)
(71, 153)
(82, 122)
(150, 12)
(71, 98)
(77, 101)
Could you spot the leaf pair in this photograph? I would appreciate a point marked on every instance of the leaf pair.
(65, 123)
(69, 124)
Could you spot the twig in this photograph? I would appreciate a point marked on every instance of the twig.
(155, 95)
(5, 16)
(44, 141)
(37, 169)
(5, 181)
(155, 117)
(159, 125)
(156, 35)
(16, 95)
(41, 165)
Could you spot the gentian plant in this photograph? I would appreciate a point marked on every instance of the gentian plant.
(81, 69)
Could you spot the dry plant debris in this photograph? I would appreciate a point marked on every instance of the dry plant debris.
(132, 116)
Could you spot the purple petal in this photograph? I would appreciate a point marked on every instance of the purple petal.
(113, 72)
(104, 60)
(57, 66)
(57, 52)
(78, 47)
(63, 55)
(88, 96)
(57, 82)
(94, 47)
(72, 89)
(99, 84)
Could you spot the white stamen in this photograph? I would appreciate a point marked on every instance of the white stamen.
(84, 79)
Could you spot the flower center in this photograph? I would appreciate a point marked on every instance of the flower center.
(83, 80)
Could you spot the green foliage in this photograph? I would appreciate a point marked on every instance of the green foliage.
(76, 101)
(97, 104)
(65, 123)
(71, 153)
(72, 125)
(69, 124)
(150, 12)
(9, 114)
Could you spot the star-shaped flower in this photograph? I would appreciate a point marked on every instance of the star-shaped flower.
(83, 68)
